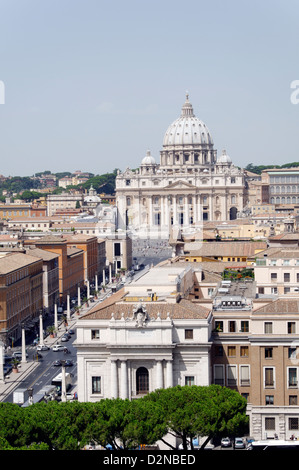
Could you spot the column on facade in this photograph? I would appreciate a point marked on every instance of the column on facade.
(113, 379)
(159, 378)
(174, 212)
(123, 380)
(169, 374)
(167, 214)
(186, 211)
(194, 209)
(150, 212)
(211, 215)
(162, 220)
(198, 205)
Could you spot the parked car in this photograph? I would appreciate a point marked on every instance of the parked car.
(18, 354)
(239, 443)
(68, 363)
(57, 363)
(58, 347)
(226, 442)
(65, 338)
(42, 347)
(71, 332)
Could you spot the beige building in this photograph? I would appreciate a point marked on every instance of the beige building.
(21, 294)
(276, 271)
(63, 201)
(119, 251)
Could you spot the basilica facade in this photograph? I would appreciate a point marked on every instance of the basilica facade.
(189, 185)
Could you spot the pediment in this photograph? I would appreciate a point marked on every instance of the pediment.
(181, 184)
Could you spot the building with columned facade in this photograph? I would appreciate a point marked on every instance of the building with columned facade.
(189, 185)
(145, 337)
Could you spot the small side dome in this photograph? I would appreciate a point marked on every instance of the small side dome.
(148, 159)
(224, 158)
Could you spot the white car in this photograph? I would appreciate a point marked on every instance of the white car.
(42, 347)
(18, 354)
(58, 347)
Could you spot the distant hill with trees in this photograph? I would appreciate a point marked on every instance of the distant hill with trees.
(259, 168)
(27, 187)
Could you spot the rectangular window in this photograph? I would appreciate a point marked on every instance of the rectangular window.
(291, 327)
(273, 276)
(270, 424)
(293, 424)
(269, 400)
(231, 375)
(244, 351)
(188, 334)
(232, 326)
(244, 375)
(286, 277)
(268, 327)
(96, 384)
(117, 251)
(244, 326)
(268, 353)
(269, 377)
(293, 400)
(292, 353)
(219, 374)
(189, 380)
(95, 334)
(219, 326)
(231, 351)
(292, 377)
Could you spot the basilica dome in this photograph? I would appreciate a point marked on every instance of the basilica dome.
(187, 130)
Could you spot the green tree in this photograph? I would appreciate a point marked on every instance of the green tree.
(206, 411)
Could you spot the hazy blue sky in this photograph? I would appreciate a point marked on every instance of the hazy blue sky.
(91, 84)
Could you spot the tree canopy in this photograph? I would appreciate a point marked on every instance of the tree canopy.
(184, 412)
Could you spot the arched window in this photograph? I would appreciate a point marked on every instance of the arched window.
(142, 382)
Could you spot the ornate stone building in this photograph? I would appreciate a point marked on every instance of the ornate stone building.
(189, 185)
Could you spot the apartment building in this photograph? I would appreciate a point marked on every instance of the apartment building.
(89, 246)
(21, 293)
(274, 338)
(70, 263)
(276, 271)
(56, 202)
(223, 251)
(119, 251)
(11, 210)
(255, 350)
(50, 277)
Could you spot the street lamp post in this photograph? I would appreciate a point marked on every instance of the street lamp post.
(55, 317)
(41, 331)
(23, 345)
(2, 381)
(63, 382)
